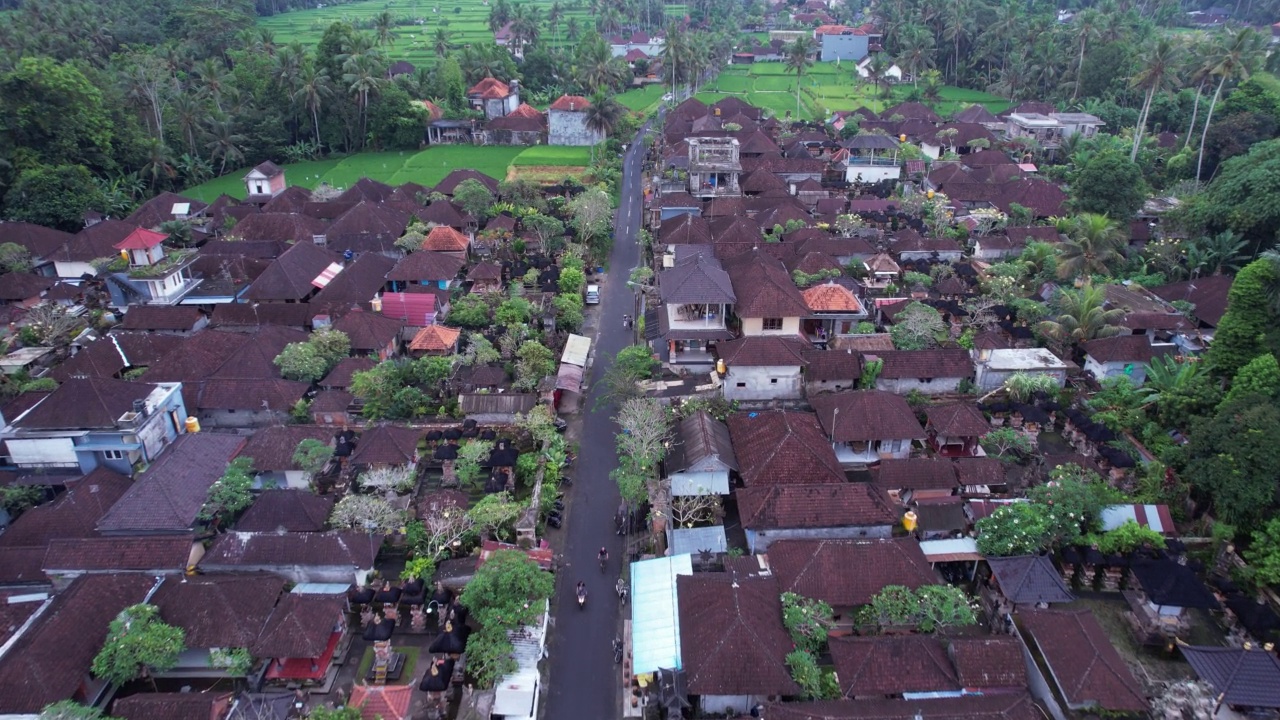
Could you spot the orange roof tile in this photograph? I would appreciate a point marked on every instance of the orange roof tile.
(443, 238)
(571, 103)
(389, 702)
(830, 297)
(435, 338)
(526, 111)
(141, 239)
(490, 89)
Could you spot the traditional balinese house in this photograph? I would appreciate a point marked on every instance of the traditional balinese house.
(867, 426)
(954, 429)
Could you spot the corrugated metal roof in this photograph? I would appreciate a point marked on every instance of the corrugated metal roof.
(575, 350)
(686, 541)
(320, 588)
(655, 622)
(516, 695)
(952, 550)
(569, 378)
(1156, 517)
(700, 483)
(416, 309)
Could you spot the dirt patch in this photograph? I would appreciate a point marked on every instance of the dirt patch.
(548, 174)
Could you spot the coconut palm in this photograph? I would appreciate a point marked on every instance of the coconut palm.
(1087, 22)
(213, 79)
(554, 17)
(313, 90)
(1235, 58)
(958, 22)
(799, 58)
(1198, 70)
(1157, 74)
(159, 165)
(187, 112)
(1216, 254)
(440, 42)
(1092, 247)
(362, 76)
(1081, 315)
(603, 115)
(916, 51)
(384, 28)
(224, 142)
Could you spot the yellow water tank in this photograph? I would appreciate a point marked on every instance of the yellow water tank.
(902, 137)
(193, 425)
(720, 366)
(909, 521)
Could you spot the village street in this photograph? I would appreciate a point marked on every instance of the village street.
(584, 680)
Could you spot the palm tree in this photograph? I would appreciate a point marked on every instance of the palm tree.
(957, 20)
(1093, 246)
(440, 42)
(213, 79)
(1087, 24)
(265, 42)
(799, 58)
(313, 89)
(1235, 58)
(916, 51)
(1216, 254)
(603, 115)
(1157, 74)
(224, 142)
(159, 165)
(1081, 315)
(384, 28)
(362, 76)
(554, 16)
(1273, 287)
(572, 32)
(188, 112)
(675, 53)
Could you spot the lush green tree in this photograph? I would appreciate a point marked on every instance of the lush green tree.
(320, 712)
(479, 351)
(636, 361)
(572, 280)
(814, 682)
(1081, 315)
(470, 311)
(916, 327)
(52, 114)
(569, 311)
(14, 258)
(533, 362)
(1248, 328)
(1233, 456)
(70, 710)
(230, 494)
(312, 456)
(301, 361)
(373, 514)
(1109, 185)
(1006, 444)
(1015, 529)
(927, 608)
(507, 592)
(1157, 72)
(138, 643)
(1128, 537)
(1259, 377)
(1093, 246)
(495, 515)
(1244, 196)
(52, 196)
(474, 198)
(1180, 389)
(1263, 553)
(592, 213)
(807, 621)
(515, 311)
(1233, 57)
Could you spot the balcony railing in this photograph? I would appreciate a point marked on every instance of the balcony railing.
(866, 160)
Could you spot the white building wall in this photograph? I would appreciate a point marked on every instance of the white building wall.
(903, 386)
(759, 540)
(570, 128)
(871, 173)
(755, 326)
(1103, 371)
(763, 383)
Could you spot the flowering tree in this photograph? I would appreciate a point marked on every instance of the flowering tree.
(433, 535)
(927, 608)
(388, 480)
(138, 643)
(366, 512)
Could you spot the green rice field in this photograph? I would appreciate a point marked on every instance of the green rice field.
(557, 155)
(427, 167)
(645, 99)
(467, 22)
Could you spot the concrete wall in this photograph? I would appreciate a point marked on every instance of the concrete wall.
(844, 47)
(570, 128)
(816, 387)
(1039, 687)
(242, 418)
(988, 379)
(949, 256)
(872, 173)
(1103, 371)
(903, 386)
(759, 540)
(755, 326)
(763, 383)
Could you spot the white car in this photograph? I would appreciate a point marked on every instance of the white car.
(593, 295)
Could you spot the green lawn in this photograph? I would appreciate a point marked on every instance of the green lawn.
(559, 155)
(406, 675)
(643, 99)
(417, 21)
(427, 167)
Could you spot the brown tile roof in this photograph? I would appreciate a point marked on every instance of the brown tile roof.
(278, 226)
(820, 505)
(1124, 348)
(732, 640)
(222, 611)
(269, 394)
(160, 317)
(485, 270)
(1029, 580)
(1011, 706)
(94, 403)
(518, 123)
(341, 374)
(982, 158)
(426, 265)
(917, 474)
(159, 209)
(386, 445)
(875, 343)
(819, 569)
(1082, 661)
(764, 351)
(979, 471)
(450, 182)
(829, 297)
(989, 662)
(867, 415)
(443, 212)
(172, 706)
(699, 279)
(1207, 294)
(368, 331)
(910, 241)
(96, 241)
(736, 229)
(685, 229)
(289, 277)
(169, 495)
(23, 565)
(832, 365)
(892, 665)
(761, 181)
(911, 111)
(435, 338)
(934, 363)
(74, 514)
(490, 89)
(272, 447)
(812, 262)
(311, 549)
(764, 288)
(782, 448)
(366, 189)
(443, 238)
(332, 401)
(246, 315)
(286, 511)
(18, 287)
(42, 242)
(14, 613)
(167, 553)
(300, 626)
(50, 661)
(224, 355)
(360, 282)
(960, 419)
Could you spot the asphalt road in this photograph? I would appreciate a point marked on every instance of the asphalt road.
(584, 681)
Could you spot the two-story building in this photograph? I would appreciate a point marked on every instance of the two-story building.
(89, 422)
(1043, 129)
(149, 274)
(567, 122)
(871, 158)
(768, 301)
(697, 296)
(714, 166)
(494, 98)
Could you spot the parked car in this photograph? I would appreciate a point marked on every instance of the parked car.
(593, 294)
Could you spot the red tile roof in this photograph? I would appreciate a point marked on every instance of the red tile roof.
(731, 635)
(415, 309)
(369, 331)
(243, 549)
(1082, 661)
(490, 89)
(830, 297)
(141, 239)
(443, 238)
(51, 660)
(764, 288)
(956, 420)
(819, 569)
(300, 626)
(382, 702)
(820, 505)
(287, 511)
(218, 611)
(782, 448)
(917, 474)
(435, 338)
(386, 445)
(989, 662)
(764, 351)
(933, 363)
(169, 553)
(570, 103)
(892, 665)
